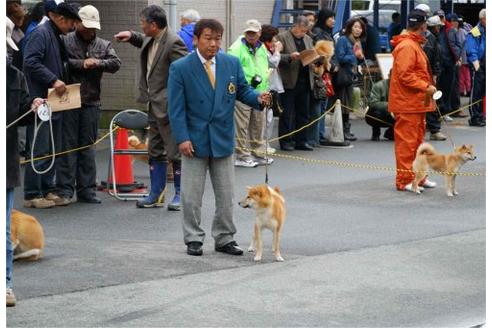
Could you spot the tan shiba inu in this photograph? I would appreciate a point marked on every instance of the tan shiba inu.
(27, 236)
(270, 214)
(427, 157)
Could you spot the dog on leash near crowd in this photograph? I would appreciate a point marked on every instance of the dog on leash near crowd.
(135, 143)
(27, 236)
(270, 214)
(427, 156)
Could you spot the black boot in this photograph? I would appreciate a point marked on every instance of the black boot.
(376, 132)
(346, 128)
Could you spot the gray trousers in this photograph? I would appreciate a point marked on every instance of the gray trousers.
(193, 176)
(162, 146)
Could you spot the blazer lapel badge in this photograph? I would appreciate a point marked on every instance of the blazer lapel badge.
(231, 88)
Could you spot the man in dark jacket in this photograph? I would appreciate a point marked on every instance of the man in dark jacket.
(46, 66)
(89, 56)
(18, 103)
(432, 49)
(371, 45)
(451, 60)
(160, 47)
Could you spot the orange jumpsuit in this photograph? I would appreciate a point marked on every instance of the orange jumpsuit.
(410, 78)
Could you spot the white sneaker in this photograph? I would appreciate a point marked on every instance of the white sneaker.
(245, 163)
(447, 118)
(429, 184)
(264, 161)
(409, 187)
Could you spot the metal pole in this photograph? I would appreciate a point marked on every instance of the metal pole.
(173, 15)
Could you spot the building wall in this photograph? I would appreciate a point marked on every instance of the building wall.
(119, 89)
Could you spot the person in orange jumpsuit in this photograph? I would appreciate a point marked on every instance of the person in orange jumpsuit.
(410, 97)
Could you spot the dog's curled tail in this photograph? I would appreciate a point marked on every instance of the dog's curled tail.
(425, 149)
(133, 141)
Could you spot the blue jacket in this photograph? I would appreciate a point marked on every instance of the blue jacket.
(475, 44)
(43, 63)
(200, 114)
(186, 33)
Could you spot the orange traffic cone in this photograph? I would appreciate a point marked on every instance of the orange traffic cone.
(122, 166)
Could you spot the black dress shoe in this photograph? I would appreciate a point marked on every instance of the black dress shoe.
(194, 248)
(476, 122)
(231, 248)
(90, 200)
(304, 146)
(287, 147)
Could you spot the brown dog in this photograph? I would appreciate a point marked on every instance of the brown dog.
(270, 214)
(427, 157)
(27, 236)
(135, 143)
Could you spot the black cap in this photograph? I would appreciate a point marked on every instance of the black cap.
(416, 16)
(67, 10)
(439, 13)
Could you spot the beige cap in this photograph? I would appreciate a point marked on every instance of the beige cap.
(252, 25)
(434, 21)
(10, 28)
(90, 17)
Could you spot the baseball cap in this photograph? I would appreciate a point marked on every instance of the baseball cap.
(10, 28)
(416, 16)
(452, 17)
(67, 10)
(434, 21)
(90, 17)
(423, 7)
(252, 25)
(439, 13)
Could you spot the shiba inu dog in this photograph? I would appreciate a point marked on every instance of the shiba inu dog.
(427, 157)
(27, 236)
(270, 214)
(135, 143)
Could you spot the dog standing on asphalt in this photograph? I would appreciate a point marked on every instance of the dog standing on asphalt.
(270, 214)
(427, 156)
(27, 236)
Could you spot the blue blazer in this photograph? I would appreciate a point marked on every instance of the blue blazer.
(200, 114)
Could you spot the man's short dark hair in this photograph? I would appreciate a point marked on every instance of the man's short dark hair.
(213, 24)
(155, 14)
(268, 32)
(395, 16)
(306, 13)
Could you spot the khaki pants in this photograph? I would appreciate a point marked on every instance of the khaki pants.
(249, 125)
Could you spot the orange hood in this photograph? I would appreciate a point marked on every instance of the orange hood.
(409, 35)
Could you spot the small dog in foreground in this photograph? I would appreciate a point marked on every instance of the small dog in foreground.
(427, 156)
(270, 214)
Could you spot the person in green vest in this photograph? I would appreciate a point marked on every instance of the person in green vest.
(249, 123)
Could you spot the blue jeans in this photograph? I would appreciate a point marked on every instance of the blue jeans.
(10, 251)
(314, 113)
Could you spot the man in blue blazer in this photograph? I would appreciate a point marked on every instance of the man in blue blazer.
(202, 90)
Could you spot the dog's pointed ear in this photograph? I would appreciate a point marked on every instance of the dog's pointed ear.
(463, 147)
(277, 189)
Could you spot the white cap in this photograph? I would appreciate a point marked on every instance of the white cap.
(423, 7)
(252, 25)
(90, 17)
(434, 21)
(10, 28)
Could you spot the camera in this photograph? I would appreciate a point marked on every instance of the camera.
(256, 81)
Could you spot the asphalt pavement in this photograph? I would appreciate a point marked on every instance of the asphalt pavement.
(357, 252)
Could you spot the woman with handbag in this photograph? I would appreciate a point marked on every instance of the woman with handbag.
(349, 54)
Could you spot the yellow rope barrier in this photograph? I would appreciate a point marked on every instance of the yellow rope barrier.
(70, 150)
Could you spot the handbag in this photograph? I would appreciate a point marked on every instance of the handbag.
(319, 88)
(344, 77)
